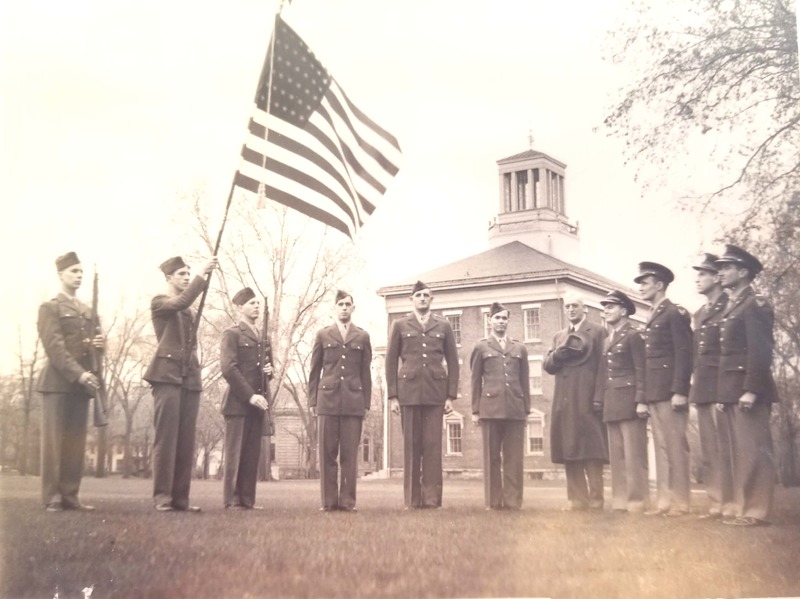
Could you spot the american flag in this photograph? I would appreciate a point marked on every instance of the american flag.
(312, 149)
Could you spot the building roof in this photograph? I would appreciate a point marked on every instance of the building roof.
(513, 262)
(530, 155)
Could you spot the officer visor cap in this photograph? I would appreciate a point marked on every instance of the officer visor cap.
(419, 286)
(497, 307)
(707, 262)
(170, 265)
(243, 296)
(67, 260)
(659, 271)
(737, 255)
(619, 298)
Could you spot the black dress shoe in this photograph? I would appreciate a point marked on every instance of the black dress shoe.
(78, 507)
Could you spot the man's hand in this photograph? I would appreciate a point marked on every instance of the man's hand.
(212, 263)
(313, 410)
(642, 411)
(268, 369)
(394, 406)
(720, 407)
(476, 420)
(597, 407)
(88, 380)
(98, 342)
(448, 406)
(680, 403)
(259, 401)
(746, 401)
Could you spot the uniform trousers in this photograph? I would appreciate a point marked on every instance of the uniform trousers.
(584, 483)
(242, 455)
(422, 455)
(175, 420)
(672, 456)
(339, 437)
(753, 464)
(627, 452)
(719, 481)
(503, 466)
(64, 424)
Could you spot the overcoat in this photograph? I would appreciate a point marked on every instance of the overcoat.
(668, 352)
(746, 343)
(706, 324)
(415, 373)
(340, 380)
(65, 328)
(577, 431)
(175, 361)
(241, 357)
(500, 380)
(624, 374)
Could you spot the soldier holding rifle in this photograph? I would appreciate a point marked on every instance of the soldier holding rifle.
(66, 383)
(246, 364)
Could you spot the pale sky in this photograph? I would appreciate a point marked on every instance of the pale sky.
(111, 110)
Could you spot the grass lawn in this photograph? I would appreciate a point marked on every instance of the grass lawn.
(127, 549)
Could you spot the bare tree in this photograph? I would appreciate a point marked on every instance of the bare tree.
(28, 370)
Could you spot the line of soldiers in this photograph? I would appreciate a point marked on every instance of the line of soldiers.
(606, 385)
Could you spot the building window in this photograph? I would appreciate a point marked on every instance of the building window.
(507, 192)
(366, 450)
(531, 320)
(535, 434)
(522, 185)
(454, 318)
(454, 425)
(535, 374)
(535, 188)
(487, 323)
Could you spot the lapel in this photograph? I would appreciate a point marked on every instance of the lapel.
(733, 303)
(717, 307)
(495, 344)
(247, 331)
(415, 324)
(334, 332)
(351, 332)
(659, 311)
(617, 335)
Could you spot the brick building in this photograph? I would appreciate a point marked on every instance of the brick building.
(529, 267)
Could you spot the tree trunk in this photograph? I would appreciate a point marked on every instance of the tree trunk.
(127, 465)
(102, 452)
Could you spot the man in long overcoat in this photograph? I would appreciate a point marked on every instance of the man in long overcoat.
(421, 389)
(746, 388)
(339, 395)
(577, 433)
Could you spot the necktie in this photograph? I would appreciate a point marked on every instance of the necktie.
(502, 343)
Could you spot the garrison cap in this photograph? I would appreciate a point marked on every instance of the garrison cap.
(742, 257)
(707, 262)
(419, 286)
(243, 296)
(619, 298)
(497, 307)
(67, 260)
(341, 294)
(170, 265)
(659, 271)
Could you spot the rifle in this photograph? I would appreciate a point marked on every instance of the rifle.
(268, 427)
(100, 414)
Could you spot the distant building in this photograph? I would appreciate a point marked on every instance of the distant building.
(529, 268)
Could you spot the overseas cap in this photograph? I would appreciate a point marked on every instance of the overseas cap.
(170, 265)
(243, 296)
(67, 260)
(497, 307)
(659, 271)
(617, 297)
(419, 286)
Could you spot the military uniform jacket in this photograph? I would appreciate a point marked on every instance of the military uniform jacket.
(668, 353)
(415, 374)
(242, 355)
(624, 370)
(65, 328)
(175, 362)
(706, 323)
(746, 342)
(500, 383)
(340, 379)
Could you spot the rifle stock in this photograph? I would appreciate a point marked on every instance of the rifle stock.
(268, 427)
(100, 411)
